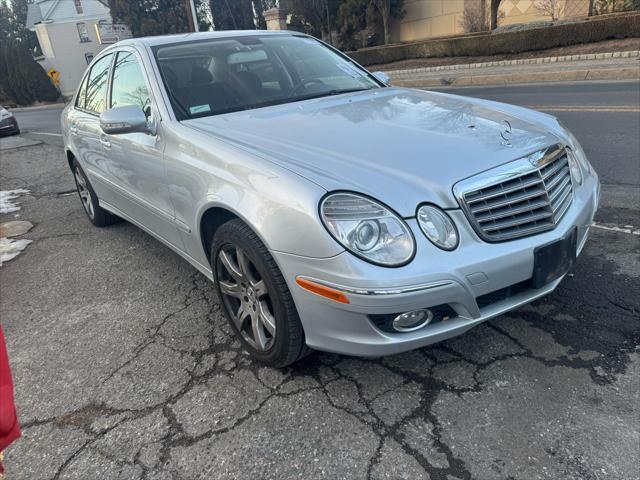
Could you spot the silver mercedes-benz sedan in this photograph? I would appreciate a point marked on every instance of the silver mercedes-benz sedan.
(331, 210)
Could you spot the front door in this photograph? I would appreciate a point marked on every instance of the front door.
(135, 160)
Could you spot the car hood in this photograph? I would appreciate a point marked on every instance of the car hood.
(400, 146)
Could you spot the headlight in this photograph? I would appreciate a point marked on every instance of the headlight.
(367, 229)
(437, 227)
(575, 146)
(576, 173)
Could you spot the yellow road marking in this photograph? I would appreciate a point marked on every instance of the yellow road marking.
(578, 108)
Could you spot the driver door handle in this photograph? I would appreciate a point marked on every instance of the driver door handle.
(104, 140)
(73, 130)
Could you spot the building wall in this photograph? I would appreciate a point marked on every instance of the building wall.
(439, 18)
(525, 11)
(66, 53)
(428, 18)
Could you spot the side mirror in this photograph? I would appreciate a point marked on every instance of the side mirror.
(383, 77)
(127, 119)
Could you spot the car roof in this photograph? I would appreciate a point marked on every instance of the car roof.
(189, 37)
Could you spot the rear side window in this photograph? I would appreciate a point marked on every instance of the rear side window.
(128, 86)
(82, 93)
(96, 97)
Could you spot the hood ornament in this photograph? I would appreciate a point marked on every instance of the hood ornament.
(506, 134)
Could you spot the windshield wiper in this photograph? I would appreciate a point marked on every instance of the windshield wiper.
(328, 93)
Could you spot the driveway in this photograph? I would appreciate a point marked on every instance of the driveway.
(125, 368)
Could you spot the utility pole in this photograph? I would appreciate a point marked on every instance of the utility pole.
(191, 16)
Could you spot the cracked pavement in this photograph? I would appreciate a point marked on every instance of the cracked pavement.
(125, 368)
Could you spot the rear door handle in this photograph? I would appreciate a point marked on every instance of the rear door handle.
(105, 141)
(73, 130)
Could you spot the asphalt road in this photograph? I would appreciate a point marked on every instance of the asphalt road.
(125, 367)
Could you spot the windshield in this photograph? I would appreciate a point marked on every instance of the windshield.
(223, 75)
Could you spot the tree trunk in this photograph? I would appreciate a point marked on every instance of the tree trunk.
(385, 20)
(493, 21)
(326, 4)
(386, 13)
(591, 2)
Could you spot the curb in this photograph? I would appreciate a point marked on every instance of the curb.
(533, 77)
(507, 63)
(49, 106)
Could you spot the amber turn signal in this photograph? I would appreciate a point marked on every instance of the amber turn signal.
(318, 289)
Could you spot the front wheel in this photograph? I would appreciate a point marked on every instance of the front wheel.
(255, 296)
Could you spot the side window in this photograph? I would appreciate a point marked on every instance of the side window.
(96, 99)
(82, 93)
(128, 86)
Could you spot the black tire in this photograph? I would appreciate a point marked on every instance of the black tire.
(288, 344)
(96, 214)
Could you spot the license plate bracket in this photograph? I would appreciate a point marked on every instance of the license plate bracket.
(554, 260)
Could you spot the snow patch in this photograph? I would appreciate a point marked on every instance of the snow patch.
(9, 248)
(7, 197)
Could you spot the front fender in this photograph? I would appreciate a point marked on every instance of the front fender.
(279, 205)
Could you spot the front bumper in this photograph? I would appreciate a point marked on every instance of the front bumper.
(434, 277)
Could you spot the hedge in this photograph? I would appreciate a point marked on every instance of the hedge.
(22, 79)
(593, 29)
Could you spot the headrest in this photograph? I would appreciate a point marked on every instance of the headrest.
(200, 75)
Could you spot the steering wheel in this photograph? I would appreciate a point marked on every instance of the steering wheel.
(304, 84)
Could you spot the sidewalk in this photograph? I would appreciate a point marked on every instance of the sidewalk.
(595, 66)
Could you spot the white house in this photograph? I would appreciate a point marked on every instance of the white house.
(71, 33)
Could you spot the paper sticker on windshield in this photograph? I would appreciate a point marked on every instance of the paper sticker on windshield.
(349, 70)
(200, 108)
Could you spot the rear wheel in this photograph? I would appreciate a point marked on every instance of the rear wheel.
(98, 215)
(255, 296)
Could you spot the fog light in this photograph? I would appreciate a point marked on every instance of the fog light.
(410, 321)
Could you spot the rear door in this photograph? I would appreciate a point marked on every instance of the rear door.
(84, 126)
(135, 160)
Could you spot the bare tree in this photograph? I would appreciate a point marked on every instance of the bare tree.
(550, 8)
(388, 9)
(474, 16)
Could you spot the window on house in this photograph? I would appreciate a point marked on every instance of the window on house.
(83, 33)
(78, 4)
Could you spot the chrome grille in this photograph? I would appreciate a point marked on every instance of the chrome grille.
(525, 197)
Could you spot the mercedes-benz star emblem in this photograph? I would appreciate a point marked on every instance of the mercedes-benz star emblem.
(506, 134)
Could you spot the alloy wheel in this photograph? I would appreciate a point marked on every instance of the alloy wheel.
(246, 297)
(85, 194)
